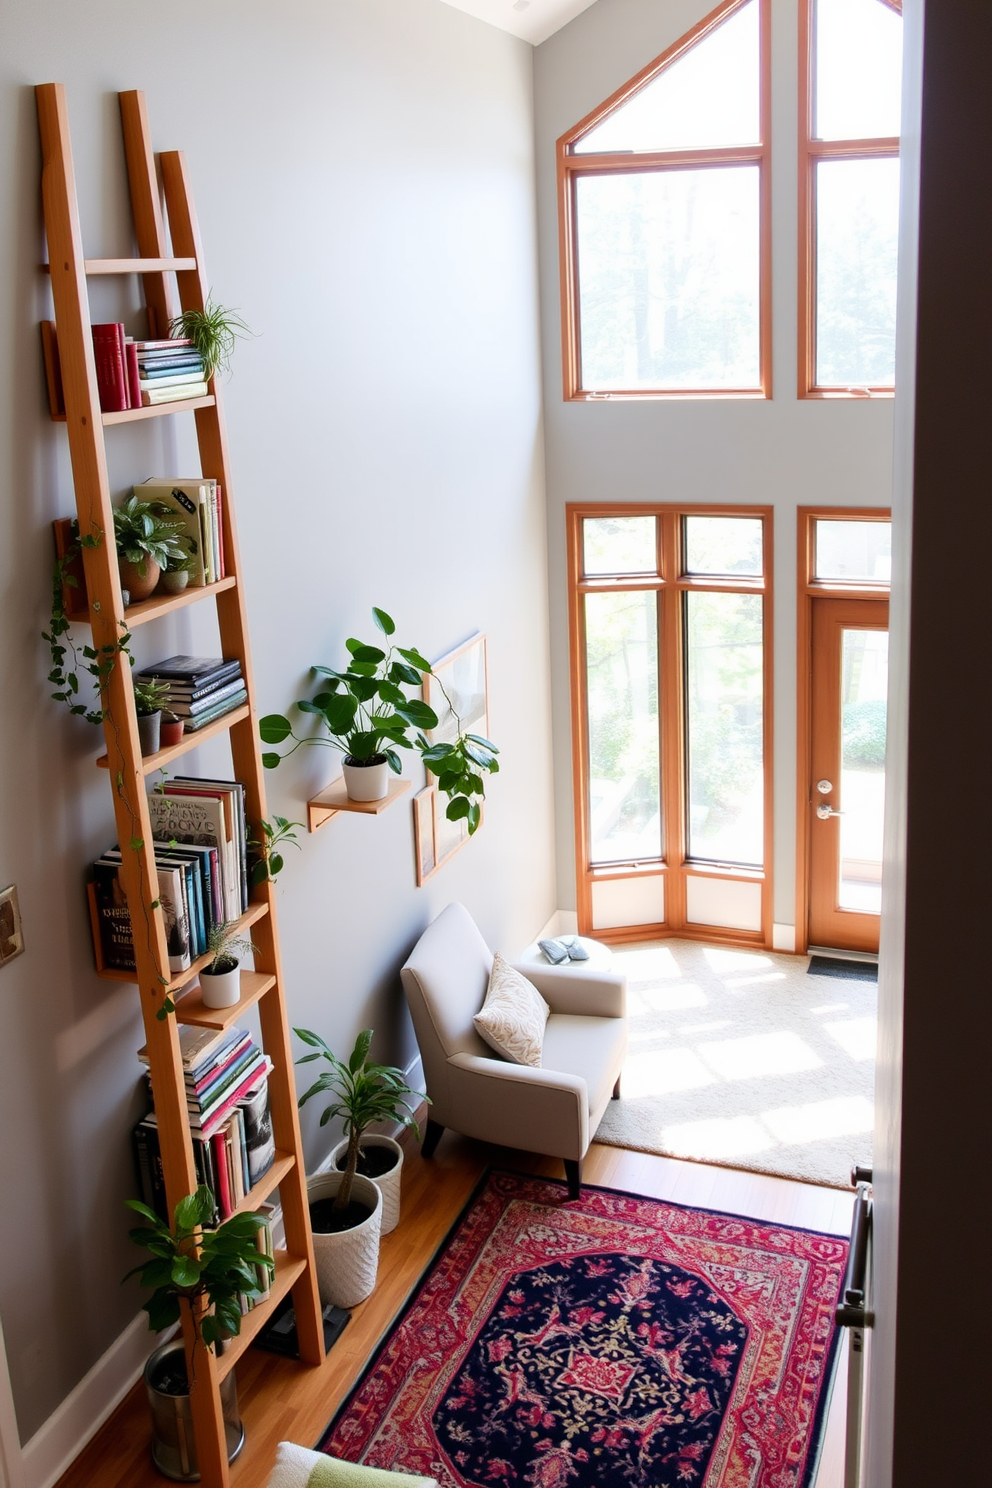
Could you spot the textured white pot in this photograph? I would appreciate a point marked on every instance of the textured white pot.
(221, 989)
(388, 1185)
(347, 1262)
(366, 782)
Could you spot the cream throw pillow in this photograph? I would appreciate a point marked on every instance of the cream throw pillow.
(513, 1017)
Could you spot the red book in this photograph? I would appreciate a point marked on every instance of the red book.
(111, 377)
(223, 1195)
(133, 381)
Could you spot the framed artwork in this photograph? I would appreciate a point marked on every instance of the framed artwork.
(423, 832)
(11, 939)
(459, 695)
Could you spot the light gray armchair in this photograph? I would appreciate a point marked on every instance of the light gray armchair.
(554, 1109)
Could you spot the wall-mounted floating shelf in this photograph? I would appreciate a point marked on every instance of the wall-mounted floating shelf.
(334, 798)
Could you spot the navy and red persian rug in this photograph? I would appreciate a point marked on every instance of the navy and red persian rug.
(614, 1342)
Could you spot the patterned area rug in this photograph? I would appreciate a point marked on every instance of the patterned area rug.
(745, 1059)
(615, 1342)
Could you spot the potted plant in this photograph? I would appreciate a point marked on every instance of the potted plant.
(220, 979)
(365, 1093)
(146, 540)
(149, 696)
(170, 729)
(175, 574)
(207, 1272)
(213, 332)
(365, 713)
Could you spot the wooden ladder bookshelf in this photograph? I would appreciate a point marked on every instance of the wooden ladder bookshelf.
(127, 769)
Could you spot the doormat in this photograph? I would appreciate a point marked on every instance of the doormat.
(833, 966)
(616, 1340)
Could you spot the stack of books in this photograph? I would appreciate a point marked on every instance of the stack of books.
(201, 688)
(169, 370)
(226, 1077)
(196, 503)
(201, 853)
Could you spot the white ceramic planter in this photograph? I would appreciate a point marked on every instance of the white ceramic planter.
(348, 1261)
(366, 782)
(221, 989)
(388, 1185)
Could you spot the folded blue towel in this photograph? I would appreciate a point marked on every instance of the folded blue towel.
(554, 950)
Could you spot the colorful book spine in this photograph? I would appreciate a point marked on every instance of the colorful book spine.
(133, 379)
(111, 375)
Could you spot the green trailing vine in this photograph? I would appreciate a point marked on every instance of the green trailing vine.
(67, 662)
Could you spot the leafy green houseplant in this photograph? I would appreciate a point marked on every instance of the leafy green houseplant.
(149, 696)
(199, 1266)
(146, 542)
(366, 712)
(213, 332)
(268, 860)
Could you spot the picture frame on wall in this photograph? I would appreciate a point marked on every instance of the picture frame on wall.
(423, 832)
(458, 691)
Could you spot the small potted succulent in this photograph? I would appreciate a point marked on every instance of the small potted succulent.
(365, 1166)
(175, 574)
(220, 979)
(149, 697)
(365, 713)
(146, 541)
(189, 1265)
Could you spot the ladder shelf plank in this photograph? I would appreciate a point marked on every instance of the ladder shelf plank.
(92, 266)
(190, 1008)
(152, 762)
(288, 1270)
(182, 979)
(179, 405)
(282, 1163)
(162, 604)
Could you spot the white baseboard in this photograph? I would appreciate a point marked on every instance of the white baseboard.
(784, 938)
(83, 1411)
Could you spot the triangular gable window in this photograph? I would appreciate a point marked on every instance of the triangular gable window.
(709, 96)
(664, 212)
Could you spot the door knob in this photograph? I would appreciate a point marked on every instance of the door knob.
(824, 787)
(824, 812)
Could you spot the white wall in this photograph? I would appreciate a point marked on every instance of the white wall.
(364, 176)
(785, 452)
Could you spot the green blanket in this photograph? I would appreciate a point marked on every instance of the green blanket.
(329, 1472)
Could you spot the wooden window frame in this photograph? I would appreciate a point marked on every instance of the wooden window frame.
(810, 588)
(811, 152)
(572, 166)
(669, 583)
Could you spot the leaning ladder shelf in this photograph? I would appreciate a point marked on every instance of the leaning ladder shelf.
(85, 424)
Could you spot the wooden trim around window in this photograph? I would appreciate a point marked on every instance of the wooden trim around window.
(570, 166)
(669, 585)
(811, 152)
(809, 589)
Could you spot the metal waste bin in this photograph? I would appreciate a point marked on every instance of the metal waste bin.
(173, 1446)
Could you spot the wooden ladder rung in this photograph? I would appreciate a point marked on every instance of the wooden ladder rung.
(134, 265)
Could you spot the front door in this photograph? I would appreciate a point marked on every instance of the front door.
(847, 786)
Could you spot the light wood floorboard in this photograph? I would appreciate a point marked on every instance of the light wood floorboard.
(282, 1400)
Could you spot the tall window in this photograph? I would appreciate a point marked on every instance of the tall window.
(670, 694)
(664, 202)
(851, 72)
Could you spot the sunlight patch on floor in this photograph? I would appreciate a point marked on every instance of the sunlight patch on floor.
(830, 1118)
(732, 983)
(650, 962)
(856, 1036)
(758, 1055)
(723, 961)
(736, 1137)
(668, 999)
(664, 1071)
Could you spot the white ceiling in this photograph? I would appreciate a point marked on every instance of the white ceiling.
(532, 20)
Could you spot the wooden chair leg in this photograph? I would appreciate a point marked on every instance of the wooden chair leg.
(432, 1136)
(616, 1089)
(573, 1172)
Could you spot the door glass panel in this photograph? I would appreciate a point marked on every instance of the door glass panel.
(619, 545)
(723, 545)
(858, 70)
(624, 746)
(707, 98)
(857, 230)
(724, 727)
(864, 685)
(852, 551)
(669, 279)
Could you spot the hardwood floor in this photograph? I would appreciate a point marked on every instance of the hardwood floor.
(283, 1400)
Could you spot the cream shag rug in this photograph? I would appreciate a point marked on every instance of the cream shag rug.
(743, 1059)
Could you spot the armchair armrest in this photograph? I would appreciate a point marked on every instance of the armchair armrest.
(538, 1110)
(566, 989)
